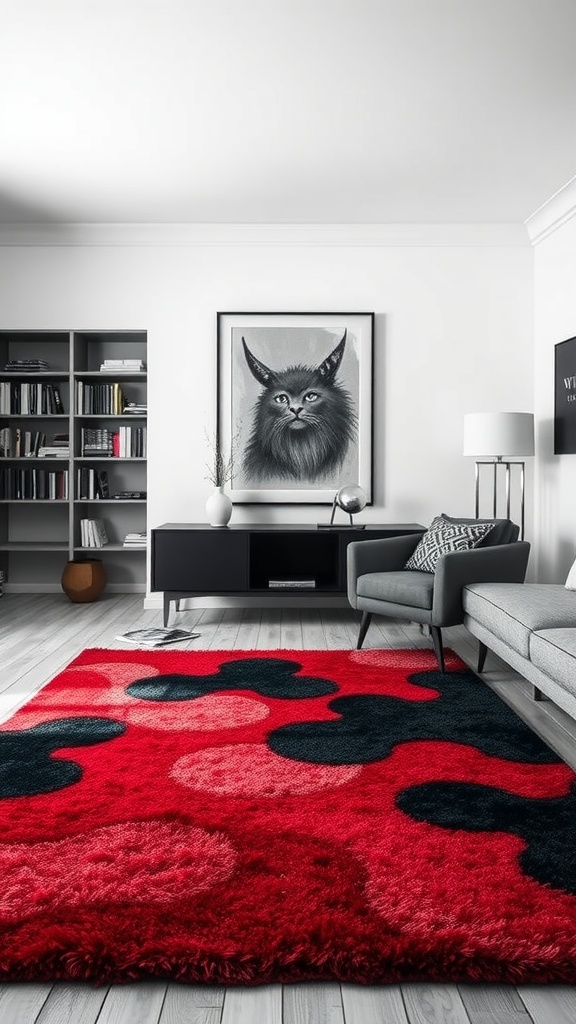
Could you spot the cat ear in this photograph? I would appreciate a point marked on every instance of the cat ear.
(258, 370)
(329, 368)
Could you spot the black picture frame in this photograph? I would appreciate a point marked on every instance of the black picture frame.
(565, 397)
(259, 355)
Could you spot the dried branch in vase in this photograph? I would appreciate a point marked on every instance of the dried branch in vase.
(221, 469)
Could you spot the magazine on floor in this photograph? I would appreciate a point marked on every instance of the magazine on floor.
(156, 637)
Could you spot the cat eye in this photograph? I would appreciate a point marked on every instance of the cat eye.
(311, 396)
(282, 399)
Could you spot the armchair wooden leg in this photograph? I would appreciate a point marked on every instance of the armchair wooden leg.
(438, 649)
(482, 652)
(366, 619)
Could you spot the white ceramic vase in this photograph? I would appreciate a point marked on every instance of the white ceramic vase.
(218, 508)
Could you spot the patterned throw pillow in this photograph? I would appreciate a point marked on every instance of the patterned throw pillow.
(443, 537)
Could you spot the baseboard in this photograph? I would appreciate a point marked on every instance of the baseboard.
(55, 588)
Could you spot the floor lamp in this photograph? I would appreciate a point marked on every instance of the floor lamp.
(495, 435)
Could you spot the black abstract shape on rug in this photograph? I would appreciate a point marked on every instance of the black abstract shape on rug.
(269, 677)
(26, 767)
(370, 726)
(545, 824)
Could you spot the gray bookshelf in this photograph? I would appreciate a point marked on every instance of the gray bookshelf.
(39, 534)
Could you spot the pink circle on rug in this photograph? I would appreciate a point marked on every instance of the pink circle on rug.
(251, 769)
(418, 659)
(214, 711)
(119, 673)
(142, 862)
(72, 700)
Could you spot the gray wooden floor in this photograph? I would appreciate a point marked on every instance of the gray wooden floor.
(40, 634)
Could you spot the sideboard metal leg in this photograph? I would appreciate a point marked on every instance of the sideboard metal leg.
(166, 608)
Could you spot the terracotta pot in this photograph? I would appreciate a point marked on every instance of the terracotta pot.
(83, 579)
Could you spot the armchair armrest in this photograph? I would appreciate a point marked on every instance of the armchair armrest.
(388, 554)
(503, 563)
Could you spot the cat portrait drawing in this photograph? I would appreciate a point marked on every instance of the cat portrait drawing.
(303, 421)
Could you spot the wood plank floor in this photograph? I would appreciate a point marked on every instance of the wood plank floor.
(40, 634)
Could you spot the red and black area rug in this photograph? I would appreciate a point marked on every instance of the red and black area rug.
(245, 817)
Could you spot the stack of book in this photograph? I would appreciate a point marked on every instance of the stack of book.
(123, 366)
(135, 540)
(26, 366)
(93, 533)
(137, 408)
(59, 449)
(96, 442)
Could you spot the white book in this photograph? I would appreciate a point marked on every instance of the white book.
(100, 531)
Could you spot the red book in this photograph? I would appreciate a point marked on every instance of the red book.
(116, 445)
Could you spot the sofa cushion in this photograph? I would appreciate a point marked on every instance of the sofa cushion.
(513, 610)
(503, 531)
(553, 651)
(414, 589)
(441, 538)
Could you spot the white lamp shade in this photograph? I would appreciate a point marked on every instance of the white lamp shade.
(497, 434)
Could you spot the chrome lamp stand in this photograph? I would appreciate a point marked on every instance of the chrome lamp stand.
(497, 475)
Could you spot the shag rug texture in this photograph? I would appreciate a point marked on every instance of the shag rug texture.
(241, 817)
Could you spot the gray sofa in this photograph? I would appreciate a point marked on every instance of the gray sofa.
(532, 626)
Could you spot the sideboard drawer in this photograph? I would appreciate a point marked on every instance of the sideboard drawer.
(211, 561)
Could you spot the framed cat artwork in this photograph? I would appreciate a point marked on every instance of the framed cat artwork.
(295, 404)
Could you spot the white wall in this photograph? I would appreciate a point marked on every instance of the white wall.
(453, 335)
(555, 321)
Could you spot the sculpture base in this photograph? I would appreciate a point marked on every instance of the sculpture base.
(341, 526)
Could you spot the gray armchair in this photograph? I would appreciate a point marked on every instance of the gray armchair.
(378, 584)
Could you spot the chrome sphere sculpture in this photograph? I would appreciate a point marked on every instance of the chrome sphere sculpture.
(351, 499)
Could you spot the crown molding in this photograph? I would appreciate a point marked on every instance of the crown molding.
(555, 212)
(499, 235)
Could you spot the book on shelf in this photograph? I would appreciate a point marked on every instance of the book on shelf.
(23, 398)
(59, 448)
(91, 484)
(96, 442)
(289, 584)
(93, 533)
(122, 366)
(26, 365)
(33, 484)
(135, 540)
(156, 637)
(99, 399)
(17, 443)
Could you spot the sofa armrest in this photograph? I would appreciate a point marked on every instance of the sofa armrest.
(504, 563)
(386, 555)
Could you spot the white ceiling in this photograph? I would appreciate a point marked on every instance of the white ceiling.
(305, 111)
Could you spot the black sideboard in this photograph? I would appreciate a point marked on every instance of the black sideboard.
(193, 560)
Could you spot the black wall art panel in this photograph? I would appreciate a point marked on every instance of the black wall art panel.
(565, 397)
